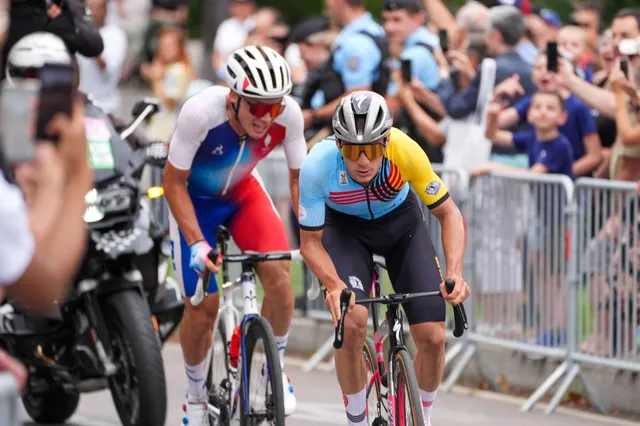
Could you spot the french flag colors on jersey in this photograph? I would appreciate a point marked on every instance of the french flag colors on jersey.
(224, 186)
(217, 156)
(223, 159)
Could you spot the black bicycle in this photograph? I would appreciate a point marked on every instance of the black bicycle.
(395, 394)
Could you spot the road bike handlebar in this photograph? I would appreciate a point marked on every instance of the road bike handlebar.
(245, 257)
(459, 313)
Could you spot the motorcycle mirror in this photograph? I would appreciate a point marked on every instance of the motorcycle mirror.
(140, 106)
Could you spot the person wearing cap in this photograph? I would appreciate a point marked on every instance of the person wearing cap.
(232, 33)
(357, 58)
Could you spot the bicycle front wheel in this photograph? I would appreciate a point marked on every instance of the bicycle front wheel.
(407, 405)
(377, 395)
(219, 379)
(263, 382)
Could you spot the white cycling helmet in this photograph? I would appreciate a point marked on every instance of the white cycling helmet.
(258, 72)
(32, 51)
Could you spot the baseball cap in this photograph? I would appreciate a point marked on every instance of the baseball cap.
(523, 5)
(308, 27)
(550, 17)
(402, 5)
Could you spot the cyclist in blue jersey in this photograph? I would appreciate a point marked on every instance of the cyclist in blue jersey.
(210, 180)
(356, 201)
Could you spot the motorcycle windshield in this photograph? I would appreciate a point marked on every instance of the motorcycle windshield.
(108, 155)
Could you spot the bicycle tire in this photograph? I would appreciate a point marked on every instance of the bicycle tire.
(259, 328)
(374, 385)
(224, 402)
(405, 381)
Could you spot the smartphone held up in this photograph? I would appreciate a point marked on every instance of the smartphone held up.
(27, 107)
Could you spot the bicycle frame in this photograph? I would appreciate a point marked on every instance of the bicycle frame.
(393, 321)
(231, 315)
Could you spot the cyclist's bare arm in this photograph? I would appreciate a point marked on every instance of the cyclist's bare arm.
(191, 127)
(295, 149)
(318, 260)
(294, 188)
(175, 190)
(415, 168)
(453, 237)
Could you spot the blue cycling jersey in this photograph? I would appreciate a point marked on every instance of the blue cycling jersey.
(324, 180)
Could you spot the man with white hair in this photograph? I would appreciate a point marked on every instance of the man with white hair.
(505, 29)
(472, 18)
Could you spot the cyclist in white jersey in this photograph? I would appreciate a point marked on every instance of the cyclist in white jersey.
(210, 180)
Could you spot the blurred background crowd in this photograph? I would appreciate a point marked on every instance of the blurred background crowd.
(472, 70)
(468, 94)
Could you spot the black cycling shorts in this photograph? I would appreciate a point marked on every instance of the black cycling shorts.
(402, 238)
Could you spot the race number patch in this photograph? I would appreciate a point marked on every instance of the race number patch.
(98, 144)
(433, 188)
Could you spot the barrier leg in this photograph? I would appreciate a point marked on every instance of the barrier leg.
(545, 386)
(319, 355)
(573, 372)
(593, 396)
(457, 370)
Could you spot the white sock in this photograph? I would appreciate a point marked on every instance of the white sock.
(356, 408)
(281, 344)
(427, 403)
(196, 389)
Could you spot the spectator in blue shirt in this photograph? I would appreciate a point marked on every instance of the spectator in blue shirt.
(548, 150)
(356, 57)
(404, 23)
(580, 127)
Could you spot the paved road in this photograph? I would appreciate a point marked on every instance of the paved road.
(320, 404)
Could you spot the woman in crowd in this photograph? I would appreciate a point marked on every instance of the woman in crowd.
(169, 74)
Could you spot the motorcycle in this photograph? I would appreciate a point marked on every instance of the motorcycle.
(103, 335)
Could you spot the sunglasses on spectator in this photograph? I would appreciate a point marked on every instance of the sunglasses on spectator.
(259, 109)
(352, 151)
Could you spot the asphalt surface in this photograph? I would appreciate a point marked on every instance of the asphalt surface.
(320, 403)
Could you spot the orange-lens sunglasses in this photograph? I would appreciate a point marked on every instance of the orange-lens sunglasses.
(259, 109)
(371, 150)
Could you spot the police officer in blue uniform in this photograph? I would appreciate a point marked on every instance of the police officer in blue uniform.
(359, 57)
(404, 22)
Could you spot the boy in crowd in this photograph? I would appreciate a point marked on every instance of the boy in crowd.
(549, 151)
(579, 128)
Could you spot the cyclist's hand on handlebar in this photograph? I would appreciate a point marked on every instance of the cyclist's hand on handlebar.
(460, 292)
(200, 261)
(333, 303)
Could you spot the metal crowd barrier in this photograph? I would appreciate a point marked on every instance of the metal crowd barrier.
(9, 399)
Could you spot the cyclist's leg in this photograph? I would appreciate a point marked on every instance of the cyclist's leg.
(257, 226)
(354, 265)
(413, 267)
(195, 328)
